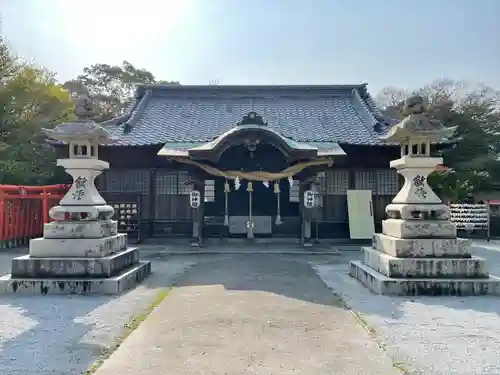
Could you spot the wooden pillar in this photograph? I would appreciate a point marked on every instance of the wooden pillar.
(305, 215)
(152, 202)
(201, 212)
(351, 182)
(198, 215)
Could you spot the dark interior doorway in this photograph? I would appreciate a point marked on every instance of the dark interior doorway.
(264, 200)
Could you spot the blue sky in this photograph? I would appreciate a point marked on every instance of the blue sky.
(384, 42)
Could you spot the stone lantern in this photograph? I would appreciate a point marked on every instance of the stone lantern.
(81, 251)
(418, 251)
(83, 201)
(415, 134)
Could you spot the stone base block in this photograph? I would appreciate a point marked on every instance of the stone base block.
(77, 248)
(80, 229)
(393, 267)
(381, 284)
(419, 228)
(422, 247)
(91, 212)
(126, 280)
(421, 211)
(108, 266)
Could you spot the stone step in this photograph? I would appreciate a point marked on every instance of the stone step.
(77, 248)
(108, 266)
(80, 229)
(422, 247)
(393, 267)
(120, 283)
(419, 228)
(381, 284)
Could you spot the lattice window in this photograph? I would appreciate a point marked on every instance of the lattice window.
(172, 183)
(166, 183)
(127, 181)
(172, 200)
(183, 187)
(337, 182)
(380, 181)
(321, 183)
(295, 191)
(209, 191)
(318, 197)
(387, 182)
(366, 180)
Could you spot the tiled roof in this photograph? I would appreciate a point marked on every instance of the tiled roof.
(344, 114)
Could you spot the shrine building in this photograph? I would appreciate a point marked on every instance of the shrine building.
(252, 152)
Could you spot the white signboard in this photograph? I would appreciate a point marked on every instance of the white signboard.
(309, 198)
(195, 199)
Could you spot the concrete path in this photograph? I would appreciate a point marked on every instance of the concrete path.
(250, 315)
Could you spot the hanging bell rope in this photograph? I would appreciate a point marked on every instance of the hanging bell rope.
(278, 203)
(227, 189)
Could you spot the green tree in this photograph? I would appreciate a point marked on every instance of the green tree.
(475, 149)
(30, 99)
(111, 86)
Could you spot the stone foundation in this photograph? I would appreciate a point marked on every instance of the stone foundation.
(120, 283)
(77, 257)
(78, 230)
(423, 266)
(381, 284)
(108, 266)
(422, 247)
(390, 266)
(418, 229)
(78, 248)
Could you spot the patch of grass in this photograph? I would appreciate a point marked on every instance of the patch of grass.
(362, 321)
(129, 327)
(401, 367)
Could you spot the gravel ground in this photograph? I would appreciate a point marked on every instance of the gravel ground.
(431, 336)
(64, 335)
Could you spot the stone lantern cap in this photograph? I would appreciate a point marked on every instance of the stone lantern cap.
(417, 125)
(78, 131)
(84, 129)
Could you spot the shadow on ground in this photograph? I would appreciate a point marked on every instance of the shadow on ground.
(290, 276)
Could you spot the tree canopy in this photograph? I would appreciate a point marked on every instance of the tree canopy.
(111, 86)
(30, 99)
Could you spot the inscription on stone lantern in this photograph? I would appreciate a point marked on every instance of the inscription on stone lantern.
(80, 187)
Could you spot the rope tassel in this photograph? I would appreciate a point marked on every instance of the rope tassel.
(278, 203)
(250, 223)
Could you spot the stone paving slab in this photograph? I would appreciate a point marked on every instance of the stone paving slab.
(250, 315)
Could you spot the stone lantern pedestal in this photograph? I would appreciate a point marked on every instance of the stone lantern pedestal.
(418, 252)
(81, 251)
